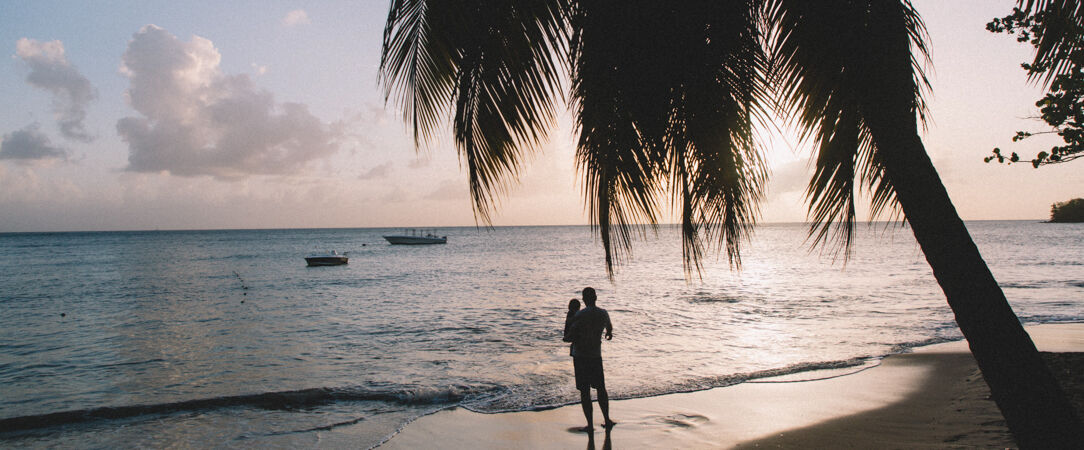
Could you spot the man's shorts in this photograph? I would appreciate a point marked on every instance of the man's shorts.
(589, 373)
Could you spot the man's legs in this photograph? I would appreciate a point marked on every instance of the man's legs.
(585, 402)
(604, 405)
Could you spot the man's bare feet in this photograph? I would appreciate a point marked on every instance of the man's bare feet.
(586, 429)
(609, 424)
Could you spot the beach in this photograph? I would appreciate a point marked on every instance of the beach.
(228, 339)
(933, 397)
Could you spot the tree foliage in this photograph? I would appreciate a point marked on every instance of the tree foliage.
(667, 97)
(1055, 28)
(1070, 211)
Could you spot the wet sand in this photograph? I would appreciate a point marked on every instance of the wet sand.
(932, 398)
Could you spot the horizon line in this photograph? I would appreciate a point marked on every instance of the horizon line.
(661, 225)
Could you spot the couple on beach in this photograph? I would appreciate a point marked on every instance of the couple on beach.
(583, 328)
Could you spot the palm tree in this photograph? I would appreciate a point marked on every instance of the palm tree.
(844, 82)
(667, 96)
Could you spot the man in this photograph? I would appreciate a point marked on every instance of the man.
(586, 335)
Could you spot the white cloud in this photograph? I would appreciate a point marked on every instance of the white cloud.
(51, 71)
(381, 171)
(29, 144)
(196, 120)
(296, 17)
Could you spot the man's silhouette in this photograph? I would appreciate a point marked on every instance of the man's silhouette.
(586, 335)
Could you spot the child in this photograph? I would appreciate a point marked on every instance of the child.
(573, 308)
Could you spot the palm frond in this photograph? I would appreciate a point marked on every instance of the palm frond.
(824, 56)
(1062, 30)
(419, 62)
(667, 93)
(497, 62)
(509, 81)
(620, 171)
(718, 106)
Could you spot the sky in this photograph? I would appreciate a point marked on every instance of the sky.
(124, 115)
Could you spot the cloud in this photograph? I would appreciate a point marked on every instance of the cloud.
(449, 190)
(196, 120)
(418, 163)
(72, 92)
(381, 171)
(791, 177)
(296, 17)
(29, 144)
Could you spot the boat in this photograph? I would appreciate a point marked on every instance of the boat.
(326, 259)
(416, 237)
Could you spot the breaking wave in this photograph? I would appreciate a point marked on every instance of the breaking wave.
(283, 400)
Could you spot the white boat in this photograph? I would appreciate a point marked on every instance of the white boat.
(416, 237)
(326, 259)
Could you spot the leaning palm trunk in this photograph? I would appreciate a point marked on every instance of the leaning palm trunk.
(1036, 410)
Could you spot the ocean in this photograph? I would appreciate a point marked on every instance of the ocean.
(227, 339)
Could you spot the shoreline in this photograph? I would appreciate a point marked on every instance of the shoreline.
(933, 396)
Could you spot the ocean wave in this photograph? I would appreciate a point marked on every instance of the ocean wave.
(499, 401)
(487, 399)
(905, 347)
(234, 257)
(712, 299)
(1042, 284)
(760, 375)
(1011, 285)
(282, 400)
(1048, 318)
(1058, 263)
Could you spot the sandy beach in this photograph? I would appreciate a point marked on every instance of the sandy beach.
(933, 397)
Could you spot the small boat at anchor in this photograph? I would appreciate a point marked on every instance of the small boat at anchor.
(416, 237)
(331, 258)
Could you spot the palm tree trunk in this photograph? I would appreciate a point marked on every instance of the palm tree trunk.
(1035, 408)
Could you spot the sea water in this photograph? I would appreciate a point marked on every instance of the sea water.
(227, 338)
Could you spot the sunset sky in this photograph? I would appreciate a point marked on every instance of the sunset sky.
(264, 114)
